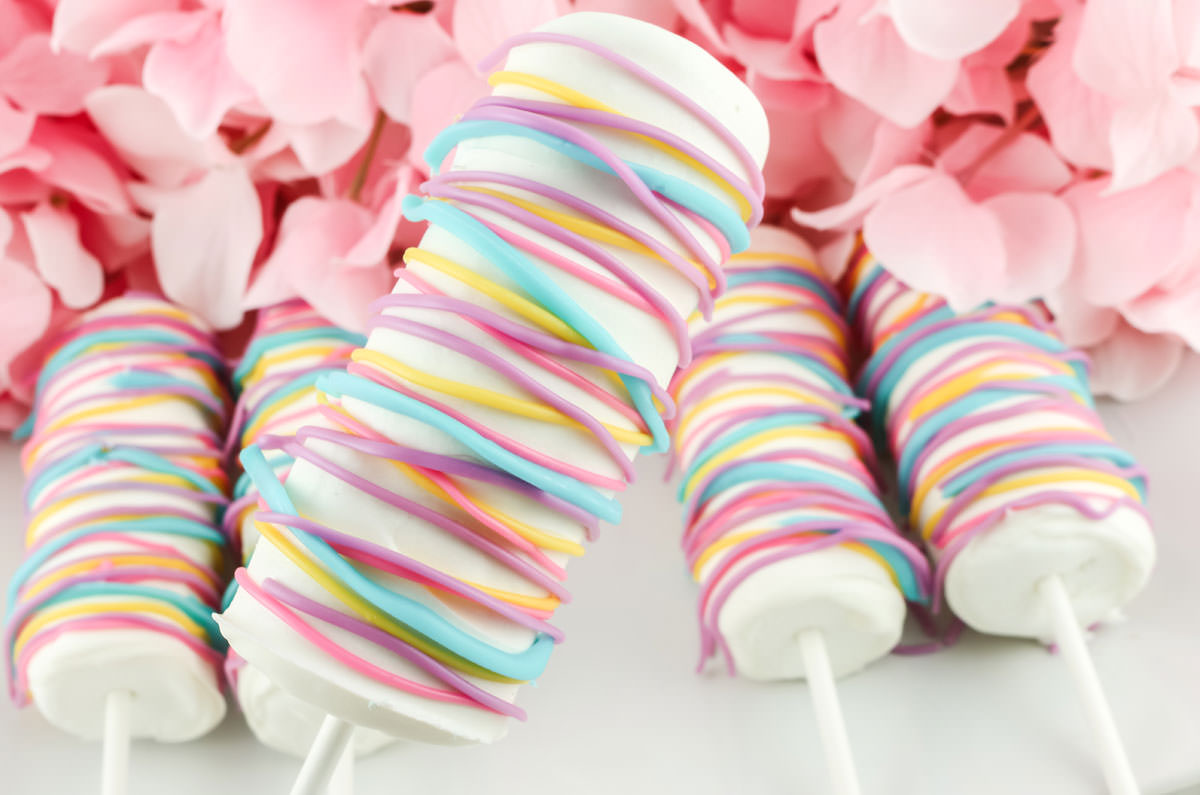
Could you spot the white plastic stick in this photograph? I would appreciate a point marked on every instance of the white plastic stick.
(114, 765)
(821, 685)
(342, 780)
(331, 740)
(1067, 634)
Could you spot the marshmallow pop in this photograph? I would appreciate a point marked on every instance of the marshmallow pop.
(408, 568)
(803, 573)
(1035, 519)
(109, 625)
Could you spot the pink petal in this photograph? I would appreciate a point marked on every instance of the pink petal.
(142, 128)
(656, 12)
(1186, 19)
(204, 239)
(480, 26)
(1160, 312)
(195, 78)
(834, 256)
(313, 234)
(25, 305)
(1151, 137)
(116, 240)
(1131, 364)
(763, 18)
(301, 56)
(1039, 243)
(439, 97)
(25, 368)
(15, 128)
(1128, 240)
(39, 80)
(281, 167)
(401, 48)
(324, 146)
(808, 13)
(343, 295)
(1078, 117)
(697, 15)
(949, 29)
(848, 133)
(19, 183)
(1081, 324)
(79, 25)
(933, 238)
(390, 154)
(149, 197)
(1172, 306)
(794, 113)
(151, 29)
(982, 91)
(79, 165)
(1009, 44)
(1024, 162)
(778, 59)
(60, 258)
(18, 20)
(378, 239)
(849, 216)
(1126, 49)
(893, 146)
(869, 61)
(866, 145)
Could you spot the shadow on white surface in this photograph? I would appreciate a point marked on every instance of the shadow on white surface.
(620, 709)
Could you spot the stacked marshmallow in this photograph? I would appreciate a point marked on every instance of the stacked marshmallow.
(1004, 466)
(408, 569)
(124, 560)
(275, 383)
(785, 530)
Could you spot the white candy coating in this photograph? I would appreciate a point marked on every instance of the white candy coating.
(272, 647)
(278, 719)
(992, 584)
(176, 695)
(850, 598)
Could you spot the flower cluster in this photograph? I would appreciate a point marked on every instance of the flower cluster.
(230, 154)
(995, 150)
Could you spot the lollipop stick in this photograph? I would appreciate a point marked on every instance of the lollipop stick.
(114, 767)
(1113, 760)
(829, 713)
(331, 740)
(342, 780)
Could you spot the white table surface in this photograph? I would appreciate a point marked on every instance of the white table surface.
(621, 711)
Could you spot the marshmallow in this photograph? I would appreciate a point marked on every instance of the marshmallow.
(276, 389)
(1004, 465)
(785, 530)
(476, 440)
(123, 557)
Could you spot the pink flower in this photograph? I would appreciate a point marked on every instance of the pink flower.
(1121, 85)
(771, 38)
(1130, 364)
(236, 153)
(948, 29)
(982, 223)
(26, 300)
(311, 260)
(862, 53)
(35, 80)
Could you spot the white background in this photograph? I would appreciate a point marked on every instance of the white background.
(621, 711)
